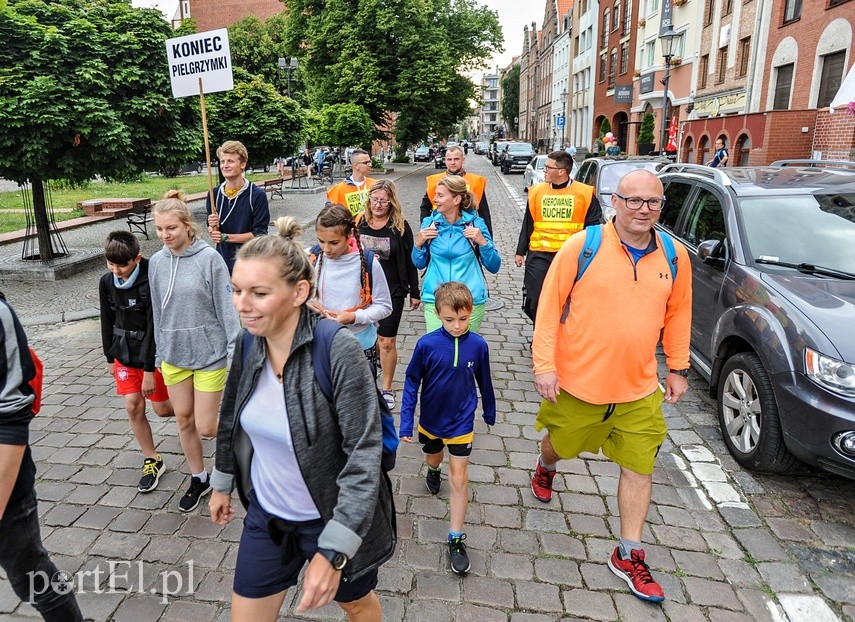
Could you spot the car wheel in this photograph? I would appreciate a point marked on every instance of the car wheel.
(748, 416)
(199, 168)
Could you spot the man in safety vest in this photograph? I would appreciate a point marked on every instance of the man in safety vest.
(557, 208)
(353, 191)
(454, 159)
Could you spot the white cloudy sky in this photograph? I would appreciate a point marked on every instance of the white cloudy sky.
(513, 15)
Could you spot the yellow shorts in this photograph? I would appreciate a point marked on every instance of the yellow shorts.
(629, 434)
(205, 381)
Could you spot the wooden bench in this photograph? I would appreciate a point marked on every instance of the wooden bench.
(273, 187)
(138, 220)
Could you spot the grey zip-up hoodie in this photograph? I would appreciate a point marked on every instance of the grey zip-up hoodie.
(338, 447)
(195, 323)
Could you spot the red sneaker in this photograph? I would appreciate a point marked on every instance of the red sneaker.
(541, 483)
(637, 575)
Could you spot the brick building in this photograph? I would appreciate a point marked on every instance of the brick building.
(529, 72)
(794, 77)
(213, 14)
(613, 69)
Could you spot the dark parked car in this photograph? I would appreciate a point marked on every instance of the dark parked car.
(605, 173)
(516, 157)
(773, 307)
(439, 160)
(422, 154)
(496, 150)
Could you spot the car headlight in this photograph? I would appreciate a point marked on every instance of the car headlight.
(830, 373)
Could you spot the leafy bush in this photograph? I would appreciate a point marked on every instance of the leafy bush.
(645, 132)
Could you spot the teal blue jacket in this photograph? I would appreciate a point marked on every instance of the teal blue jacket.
(451, 257)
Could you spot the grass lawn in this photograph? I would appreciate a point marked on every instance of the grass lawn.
(152, 187)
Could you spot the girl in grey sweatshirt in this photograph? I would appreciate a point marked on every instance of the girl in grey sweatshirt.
(195, 328)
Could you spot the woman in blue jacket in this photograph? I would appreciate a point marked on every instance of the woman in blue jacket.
(453, 244)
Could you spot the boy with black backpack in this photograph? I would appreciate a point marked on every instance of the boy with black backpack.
(127, 336)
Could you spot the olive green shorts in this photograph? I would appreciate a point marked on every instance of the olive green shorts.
(629, 434)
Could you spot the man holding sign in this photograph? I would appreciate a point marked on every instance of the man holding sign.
(557, 208)
(353, 191)
(242, 211)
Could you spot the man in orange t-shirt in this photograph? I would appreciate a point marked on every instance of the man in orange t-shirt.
(595, 359)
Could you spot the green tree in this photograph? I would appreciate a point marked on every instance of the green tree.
(511, 99)
(343, 125)
(403, 56)
(253, 49)
(85, 91)
(605, 128)
(267, 123)
(645, 131)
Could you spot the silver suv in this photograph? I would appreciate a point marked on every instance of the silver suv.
(772, 253)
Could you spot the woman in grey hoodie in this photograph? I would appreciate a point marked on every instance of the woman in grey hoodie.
(195, 327)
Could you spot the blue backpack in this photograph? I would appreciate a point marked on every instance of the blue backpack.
(593, 240)
(325, 331)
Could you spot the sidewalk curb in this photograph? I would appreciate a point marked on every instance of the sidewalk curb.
(61, 318)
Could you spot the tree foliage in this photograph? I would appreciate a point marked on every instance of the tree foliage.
(511, 98)
(343, 125)
(85, 91)
(268, 123)
(404, 56)
(645, 130)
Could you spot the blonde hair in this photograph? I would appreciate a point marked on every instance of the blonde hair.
(457, 187)
(173, 202)
(284, 250)
(396, 214)
(234, 147)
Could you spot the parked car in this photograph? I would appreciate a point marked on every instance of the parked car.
(498, 147)
(605, 173)
(481, 148)
(771, 251)
(422, 154)
(516, 156)
(534, 171)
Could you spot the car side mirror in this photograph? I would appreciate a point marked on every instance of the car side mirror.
(713, 252)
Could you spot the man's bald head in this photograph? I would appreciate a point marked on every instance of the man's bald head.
(639, 178)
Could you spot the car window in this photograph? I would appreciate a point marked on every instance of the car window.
(815, 229)
(590, 177)
(705, 220)
(675, 196)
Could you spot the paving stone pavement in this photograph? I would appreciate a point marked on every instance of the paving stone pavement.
(726, 545)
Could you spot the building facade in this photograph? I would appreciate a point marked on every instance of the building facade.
(489, 110)
(581, 100)
(781, 111)
(214, 14)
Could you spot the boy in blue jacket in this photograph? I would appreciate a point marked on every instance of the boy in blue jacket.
(448, 362)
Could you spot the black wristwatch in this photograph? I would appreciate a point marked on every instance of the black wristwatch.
(679, 372)
(336, 559)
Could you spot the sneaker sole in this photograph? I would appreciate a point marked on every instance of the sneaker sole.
(461, 572)
(538, 498)
(198, 501)
(156, 481)
(621, 575)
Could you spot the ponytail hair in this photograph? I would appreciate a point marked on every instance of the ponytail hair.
(173, 201)
(457, 187)
(284, 251)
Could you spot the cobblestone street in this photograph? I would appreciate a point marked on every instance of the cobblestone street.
(725, 544)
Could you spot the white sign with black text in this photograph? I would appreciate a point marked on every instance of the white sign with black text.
(205, 56)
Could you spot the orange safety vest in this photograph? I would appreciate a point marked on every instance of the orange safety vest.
(346, 194)
(557, 214)
(474, 183)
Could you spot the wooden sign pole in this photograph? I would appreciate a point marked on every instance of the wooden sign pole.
(207, 149)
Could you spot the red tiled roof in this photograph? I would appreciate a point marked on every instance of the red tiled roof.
(564, 7)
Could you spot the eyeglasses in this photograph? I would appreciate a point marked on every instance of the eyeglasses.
(553, 168)
(380, 202)
(634, 203)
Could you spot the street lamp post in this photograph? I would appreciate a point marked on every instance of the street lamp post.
(287, 65)
(667, 39)
(563, 116)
